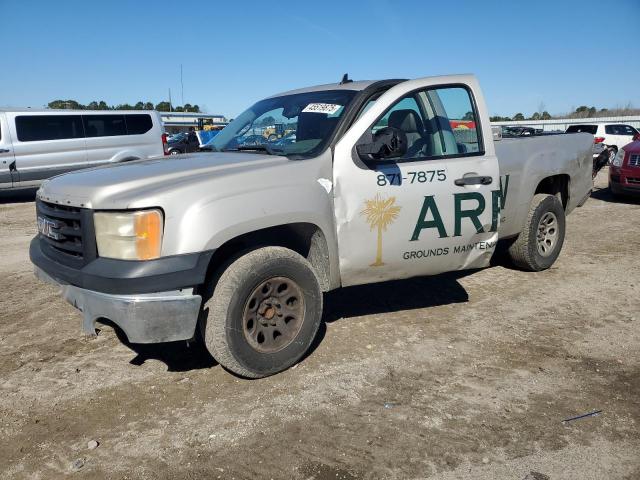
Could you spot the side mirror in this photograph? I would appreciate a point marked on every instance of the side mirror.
(386, 143)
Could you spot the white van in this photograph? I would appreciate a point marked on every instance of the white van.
(36, 145)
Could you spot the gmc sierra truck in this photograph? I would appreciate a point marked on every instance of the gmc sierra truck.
(369, 181)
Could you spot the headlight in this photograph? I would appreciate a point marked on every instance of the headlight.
(617, 161)
(129, 235)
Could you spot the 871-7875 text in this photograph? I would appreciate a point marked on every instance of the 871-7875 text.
(423, 176)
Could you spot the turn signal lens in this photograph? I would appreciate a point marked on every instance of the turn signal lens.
(129, 235)
(148, 230)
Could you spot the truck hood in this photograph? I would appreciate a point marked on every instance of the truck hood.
(116, 186)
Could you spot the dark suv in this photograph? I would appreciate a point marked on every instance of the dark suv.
(183, 143)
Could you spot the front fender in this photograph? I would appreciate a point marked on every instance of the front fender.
(213, 221)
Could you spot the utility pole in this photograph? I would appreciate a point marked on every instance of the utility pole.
(170, 101)
(181, 87)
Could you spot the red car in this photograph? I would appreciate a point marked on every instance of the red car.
(624, 173)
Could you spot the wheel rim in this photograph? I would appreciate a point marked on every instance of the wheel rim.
(612, 155)
(273, 315)
(547, 234)
(174, 152)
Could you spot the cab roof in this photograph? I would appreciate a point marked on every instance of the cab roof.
(354, 85)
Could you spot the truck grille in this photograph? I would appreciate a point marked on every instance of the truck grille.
(66, 233)
(633, 180)
(634, 160)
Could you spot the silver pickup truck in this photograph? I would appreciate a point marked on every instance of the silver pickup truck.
(360, 182)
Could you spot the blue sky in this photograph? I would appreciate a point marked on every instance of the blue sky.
(561, 53)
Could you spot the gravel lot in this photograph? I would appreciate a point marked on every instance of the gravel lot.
(466, 375)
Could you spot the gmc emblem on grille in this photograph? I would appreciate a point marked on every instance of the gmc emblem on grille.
(46, 227)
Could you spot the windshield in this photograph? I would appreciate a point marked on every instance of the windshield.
(297, 124)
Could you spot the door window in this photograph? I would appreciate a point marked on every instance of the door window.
(438, 123)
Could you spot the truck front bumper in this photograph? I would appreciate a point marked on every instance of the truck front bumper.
(144, 317)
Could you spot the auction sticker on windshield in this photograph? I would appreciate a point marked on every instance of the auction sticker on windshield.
(328, 108)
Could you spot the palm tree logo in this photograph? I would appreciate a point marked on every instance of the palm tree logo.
(380, 213)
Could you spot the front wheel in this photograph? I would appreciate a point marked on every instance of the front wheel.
(540, 241)
(264, 312)
(612, 155)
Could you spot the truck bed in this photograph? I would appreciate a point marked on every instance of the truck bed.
(525, 161)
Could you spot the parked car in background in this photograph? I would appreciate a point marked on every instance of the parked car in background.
(509, 131)
(39, 144)
(624, 173)
(613, 136)
(183, 143)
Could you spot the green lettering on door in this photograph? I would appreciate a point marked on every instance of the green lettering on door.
(472, 214)
(429, 204)
(498, 201)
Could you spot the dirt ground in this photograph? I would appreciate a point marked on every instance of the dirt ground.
(467, 376)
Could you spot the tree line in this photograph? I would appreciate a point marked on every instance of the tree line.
(582, 111)
(102, 105)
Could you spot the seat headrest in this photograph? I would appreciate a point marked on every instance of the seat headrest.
(406, 120)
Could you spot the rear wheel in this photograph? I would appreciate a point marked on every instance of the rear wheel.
(612, 154)
(264, 312)
(539, 244)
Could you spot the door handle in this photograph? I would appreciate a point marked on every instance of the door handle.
(4, 150)
(461, 182)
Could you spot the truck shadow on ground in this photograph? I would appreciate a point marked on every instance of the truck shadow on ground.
(605, 195)
(20, 195)
(341, 304)
(177, 356)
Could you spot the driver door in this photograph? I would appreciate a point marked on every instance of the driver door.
(431, 210)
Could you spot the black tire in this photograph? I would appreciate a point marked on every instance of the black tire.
(224, 318)
(174, 152)
(526, 252)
